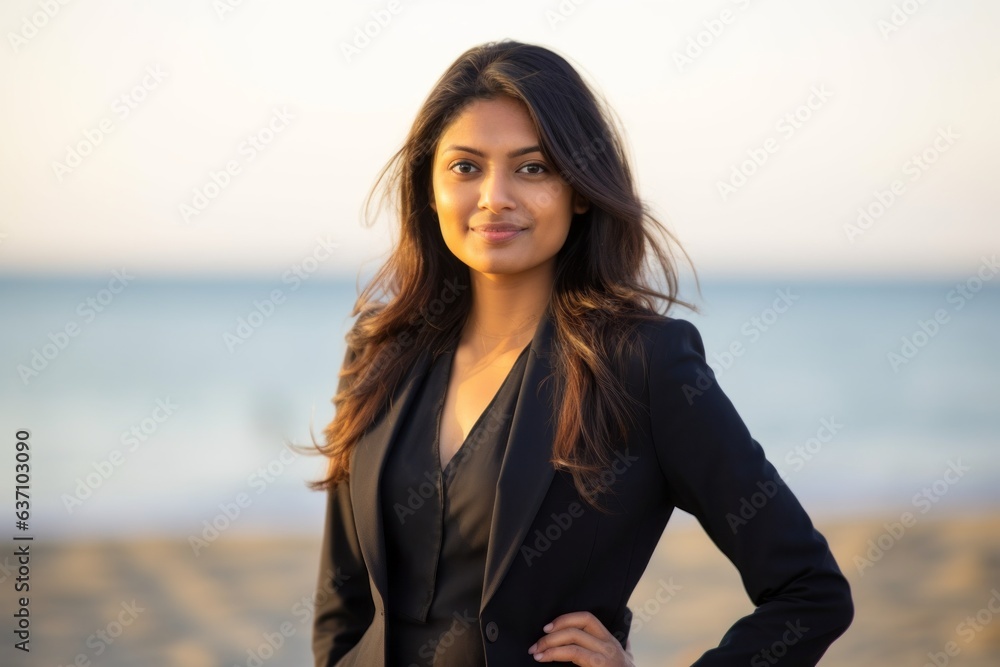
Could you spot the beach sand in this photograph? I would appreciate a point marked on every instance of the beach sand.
(246, 601)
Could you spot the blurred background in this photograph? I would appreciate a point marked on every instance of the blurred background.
(181, 242)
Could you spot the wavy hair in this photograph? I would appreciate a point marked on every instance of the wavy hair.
(601, 289)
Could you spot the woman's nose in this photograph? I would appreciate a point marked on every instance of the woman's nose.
(495, 192)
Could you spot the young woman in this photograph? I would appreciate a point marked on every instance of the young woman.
(515, 421)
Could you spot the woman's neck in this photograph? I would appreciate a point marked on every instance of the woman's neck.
(505, 312)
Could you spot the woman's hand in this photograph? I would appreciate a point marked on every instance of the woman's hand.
(580, 638)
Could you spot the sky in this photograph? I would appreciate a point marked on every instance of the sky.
(228, 138)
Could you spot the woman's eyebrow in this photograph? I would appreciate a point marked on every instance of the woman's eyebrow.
(514, 153)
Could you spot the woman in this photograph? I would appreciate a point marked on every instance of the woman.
(515, 424)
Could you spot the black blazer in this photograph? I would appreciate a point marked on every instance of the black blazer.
(549, 553)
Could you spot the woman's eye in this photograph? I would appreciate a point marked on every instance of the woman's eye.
(458, 166)
(465, 167)
(534, 165)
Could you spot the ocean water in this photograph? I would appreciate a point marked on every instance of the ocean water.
(146, 417)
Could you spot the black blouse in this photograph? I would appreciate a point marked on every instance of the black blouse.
(437, 525)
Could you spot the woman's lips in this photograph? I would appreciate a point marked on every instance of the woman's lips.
(498, 232)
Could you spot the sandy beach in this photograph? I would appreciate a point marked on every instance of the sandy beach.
(926, 594)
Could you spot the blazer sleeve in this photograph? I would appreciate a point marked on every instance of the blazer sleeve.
(344, 605)
(717, 472)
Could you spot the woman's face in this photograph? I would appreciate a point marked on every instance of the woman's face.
(488, 173)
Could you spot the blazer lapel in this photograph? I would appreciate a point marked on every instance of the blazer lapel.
(525, 473)
(368, 457)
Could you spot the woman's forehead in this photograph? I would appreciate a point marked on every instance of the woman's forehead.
(496, 124)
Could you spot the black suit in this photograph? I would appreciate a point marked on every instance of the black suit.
(550, 553)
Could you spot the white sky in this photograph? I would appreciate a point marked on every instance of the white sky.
(224, 76)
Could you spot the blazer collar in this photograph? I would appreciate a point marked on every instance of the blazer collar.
(525, 473)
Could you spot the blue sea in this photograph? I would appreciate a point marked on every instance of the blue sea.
(151, 412)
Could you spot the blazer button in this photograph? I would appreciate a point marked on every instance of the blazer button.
(492, 632)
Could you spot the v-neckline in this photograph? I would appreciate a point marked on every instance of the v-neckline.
(448, 467)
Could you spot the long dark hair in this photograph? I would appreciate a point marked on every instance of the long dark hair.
(600, 291)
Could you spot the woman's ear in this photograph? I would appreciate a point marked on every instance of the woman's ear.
(580, 203)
